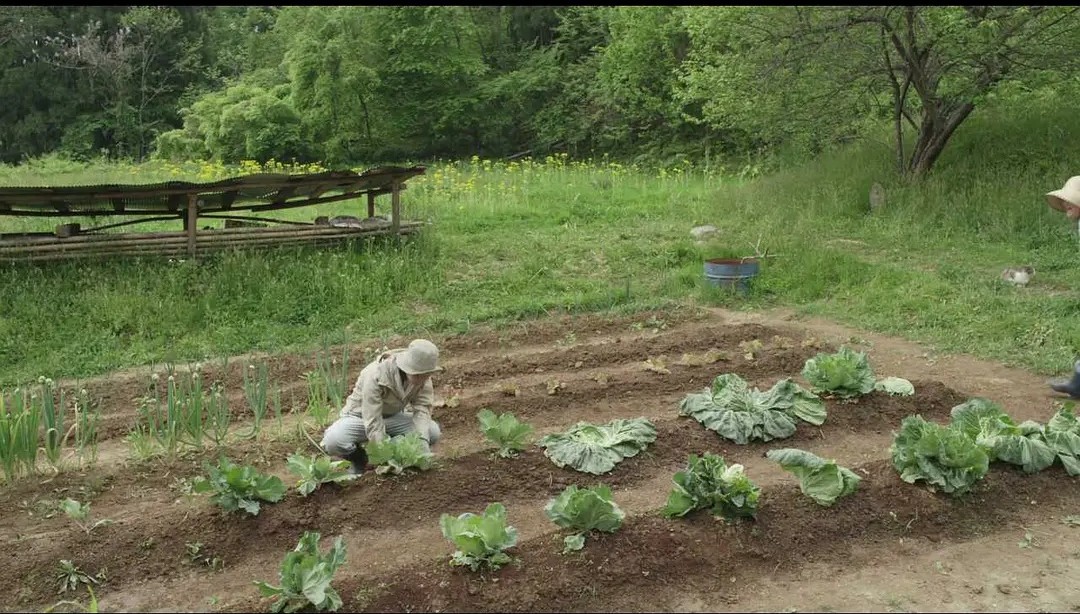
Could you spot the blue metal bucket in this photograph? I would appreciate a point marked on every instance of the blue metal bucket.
(731, 273)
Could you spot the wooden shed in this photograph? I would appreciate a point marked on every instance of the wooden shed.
(240, 201)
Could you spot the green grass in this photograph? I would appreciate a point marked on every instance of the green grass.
(517, 241)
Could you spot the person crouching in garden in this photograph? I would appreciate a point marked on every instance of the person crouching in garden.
(392, 396)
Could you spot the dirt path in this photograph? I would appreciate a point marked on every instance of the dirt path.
(879, 549)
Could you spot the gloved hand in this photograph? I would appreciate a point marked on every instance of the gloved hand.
(425, 446)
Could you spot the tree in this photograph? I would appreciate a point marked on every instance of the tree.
(815, 72)
(133, 71)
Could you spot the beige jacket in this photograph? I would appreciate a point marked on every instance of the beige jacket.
(380, 392)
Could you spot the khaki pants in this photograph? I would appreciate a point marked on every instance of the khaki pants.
(348, 431)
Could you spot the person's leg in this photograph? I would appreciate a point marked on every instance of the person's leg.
(1071, 386)
(345, 438)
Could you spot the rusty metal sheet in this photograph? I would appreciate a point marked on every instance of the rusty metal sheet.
(258, 192)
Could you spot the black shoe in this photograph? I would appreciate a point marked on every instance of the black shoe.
(359, 460)
(1071, 387)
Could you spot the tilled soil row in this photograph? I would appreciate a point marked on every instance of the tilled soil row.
(651, 559)
(463, 484)
(120, 392)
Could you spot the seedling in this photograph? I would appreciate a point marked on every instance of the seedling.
(78, 512)
(196, 554)
(69, 577)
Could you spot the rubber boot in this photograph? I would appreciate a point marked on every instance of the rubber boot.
(359, 460)
(1070, 387)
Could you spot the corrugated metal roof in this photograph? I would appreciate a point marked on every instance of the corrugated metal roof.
(250, 193)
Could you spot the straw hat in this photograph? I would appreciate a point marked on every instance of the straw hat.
(1068, 195)
(420, 358)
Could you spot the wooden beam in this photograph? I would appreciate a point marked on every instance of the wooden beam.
(192, 222)
(395, 207)
(371, 204)
(118, 204)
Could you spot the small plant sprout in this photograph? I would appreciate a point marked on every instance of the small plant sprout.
(78, 512)
(69, 577)
(92, 606)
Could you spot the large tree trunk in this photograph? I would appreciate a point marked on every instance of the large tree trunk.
(937, 128)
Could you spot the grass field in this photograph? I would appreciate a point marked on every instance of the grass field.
(514, 240)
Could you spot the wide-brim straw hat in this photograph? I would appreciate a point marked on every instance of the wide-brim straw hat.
(1068, 195)
(420, 358)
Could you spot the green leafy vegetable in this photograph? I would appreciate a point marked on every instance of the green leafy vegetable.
(305, 577)
(943, 456)
(79, 512)
(397, 454)
(481, 539)
(1003, 439)
(314, 471)
(584, 510)
(709, 483)
(742, 415)
(239, 487)
(895, 385)
(821, 480)
(1062, 434)
(504, 431)
(846, 373)
(597, 449)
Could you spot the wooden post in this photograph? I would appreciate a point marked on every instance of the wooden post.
(192, 223)
(395, 207)
(371, 204)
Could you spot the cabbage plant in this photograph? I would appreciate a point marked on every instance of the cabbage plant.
(400, 453)
(943, 456)
(821, 480)
(505, 431)
(596, 449)
(584, 510)
(708, 482)
(737, 412)
(847, 373)
(482, 539)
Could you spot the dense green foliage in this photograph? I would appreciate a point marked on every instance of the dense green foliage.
(360, 84)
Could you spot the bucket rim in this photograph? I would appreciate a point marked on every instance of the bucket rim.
(748, 260)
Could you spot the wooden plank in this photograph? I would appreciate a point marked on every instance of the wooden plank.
(371, 204)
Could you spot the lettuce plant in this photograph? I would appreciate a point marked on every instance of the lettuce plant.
(305, 577)
(943, 456)
(239, 487)
(397, 454)
(737, 412)
(821, 480)
(504, 431)
(316, 470)
(596, 449)
(847, 373)
(710, 483)
(482, 539)
(584, 510)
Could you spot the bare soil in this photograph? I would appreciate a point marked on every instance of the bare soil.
(890, 546)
